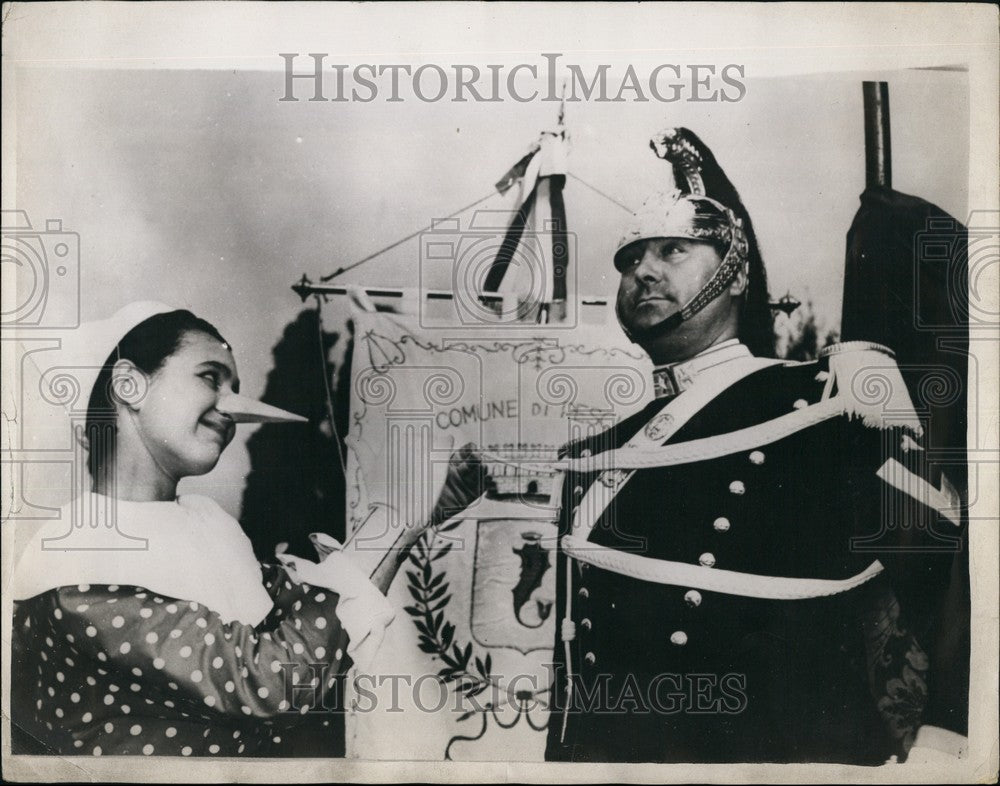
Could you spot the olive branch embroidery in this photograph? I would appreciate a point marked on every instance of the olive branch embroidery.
(430, 592)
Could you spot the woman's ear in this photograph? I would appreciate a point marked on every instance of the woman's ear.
(129, 384)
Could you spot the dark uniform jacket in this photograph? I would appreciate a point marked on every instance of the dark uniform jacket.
(662, 673)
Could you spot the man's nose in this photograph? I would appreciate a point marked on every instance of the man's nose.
(649, 267)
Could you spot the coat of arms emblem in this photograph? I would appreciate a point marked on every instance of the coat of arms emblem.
(513, 584)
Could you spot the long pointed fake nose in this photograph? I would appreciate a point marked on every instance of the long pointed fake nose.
(246, 410)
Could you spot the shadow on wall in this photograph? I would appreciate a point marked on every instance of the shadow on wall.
(296, 483)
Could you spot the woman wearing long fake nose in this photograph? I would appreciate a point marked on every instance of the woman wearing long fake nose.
(143, 623)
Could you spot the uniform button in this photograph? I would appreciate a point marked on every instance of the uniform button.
(692, 598)
(707, 559)
(583, 592)
(591, 658)
(586, 624)
(578, 491)
(757, 457)
(800, 403)
(737, 487)
(586, 453)
(721, 524)
(679, 637)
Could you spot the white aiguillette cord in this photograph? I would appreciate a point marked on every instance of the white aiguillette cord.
(632, 458)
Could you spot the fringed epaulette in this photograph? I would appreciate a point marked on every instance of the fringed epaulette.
(864, 376)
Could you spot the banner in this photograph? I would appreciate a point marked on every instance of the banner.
(463, 672)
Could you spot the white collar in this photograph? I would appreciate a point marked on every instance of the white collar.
(673, 378)
(190, 549)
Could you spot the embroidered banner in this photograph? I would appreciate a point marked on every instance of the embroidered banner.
(463, 671)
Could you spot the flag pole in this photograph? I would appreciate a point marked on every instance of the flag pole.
(305, 289)
(878, 146)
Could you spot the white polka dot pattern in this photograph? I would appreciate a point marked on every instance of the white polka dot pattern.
(195, 686)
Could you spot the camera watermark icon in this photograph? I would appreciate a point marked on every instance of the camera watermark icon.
(41, 273)
(961, 265)
(497, 276)
(63, 438)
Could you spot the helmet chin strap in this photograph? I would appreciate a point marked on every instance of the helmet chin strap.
(646, 335)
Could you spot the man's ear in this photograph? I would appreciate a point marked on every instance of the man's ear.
(129, 384)
(738, 285)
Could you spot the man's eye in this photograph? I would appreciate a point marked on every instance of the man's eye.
(630, 259)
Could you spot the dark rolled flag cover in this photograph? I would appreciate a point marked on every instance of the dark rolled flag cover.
(906, 286)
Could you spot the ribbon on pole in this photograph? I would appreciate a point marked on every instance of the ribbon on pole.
(535, 243)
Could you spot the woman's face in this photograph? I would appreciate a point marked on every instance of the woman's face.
(177, 419)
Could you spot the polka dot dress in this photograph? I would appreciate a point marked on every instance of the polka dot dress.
(101, 670)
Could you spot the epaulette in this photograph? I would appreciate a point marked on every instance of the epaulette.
(866, 379)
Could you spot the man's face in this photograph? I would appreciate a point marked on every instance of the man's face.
(659, 275)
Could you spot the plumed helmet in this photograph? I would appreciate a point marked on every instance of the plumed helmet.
(704, 205)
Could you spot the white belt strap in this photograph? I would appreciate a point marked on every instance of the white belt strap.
(682, 574)
(671, 418)
(632, 458)
(704, 449)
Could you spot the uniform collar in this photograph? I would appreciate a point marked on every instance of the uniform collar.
(673, 378)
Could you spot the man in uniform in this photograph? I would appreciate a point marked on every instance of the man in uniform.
(754, 567)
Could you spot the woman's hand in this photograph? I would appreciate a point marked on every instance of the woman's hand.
(466, 481)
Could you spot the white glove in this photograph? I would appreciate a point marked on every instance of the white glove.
(363, 611)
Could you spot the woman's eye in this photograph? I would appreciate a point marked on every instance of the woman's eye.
(211, 378)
